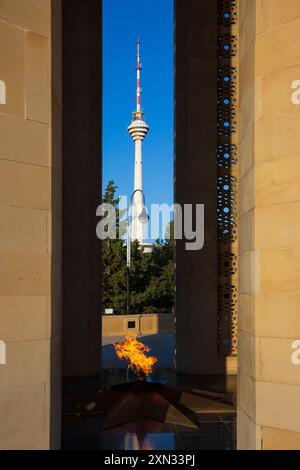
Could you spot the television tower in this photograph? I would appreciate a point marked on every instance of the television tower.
(138, 130)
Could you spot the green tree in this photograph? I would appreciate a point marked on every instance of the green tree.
(114, 276)
(114, 260)
(159, 294)
(151, 274)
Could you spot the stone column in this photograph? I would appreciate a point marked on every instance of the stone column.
(82, 88)
(30, 224)
(195, 173)
(269, 194)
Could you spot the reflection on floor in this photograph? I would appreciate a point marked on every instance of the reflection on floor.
(168, 413)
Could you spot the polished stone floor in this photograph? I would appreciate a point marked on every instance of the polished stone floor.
(215, 432)
(95, 413)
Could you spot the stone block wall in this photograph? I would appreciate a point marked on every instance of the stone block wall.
(144, 324)
(30, 252)
(269, 190)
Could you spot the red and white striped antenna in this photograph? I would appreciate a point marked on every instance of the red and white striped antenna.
(138, 78)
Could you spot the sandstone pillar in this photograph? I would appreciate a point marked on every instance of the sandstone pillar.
(82, 52)
(30, 224)
(269, 191)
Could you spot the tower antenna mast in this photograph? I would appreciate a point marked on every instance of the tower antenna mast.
(138, 78)
(138, 130)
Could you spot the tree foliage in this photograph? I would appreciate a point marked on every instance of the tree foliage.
(151, 274)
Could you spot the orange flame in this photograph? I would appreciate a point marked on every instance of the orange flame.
(134, 352)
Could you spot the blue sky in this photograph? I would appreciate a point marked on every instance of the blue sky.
(123, 22)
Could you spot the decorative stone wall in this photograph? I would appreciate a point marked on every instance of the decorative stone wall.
(227, 175)
(201, 322)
